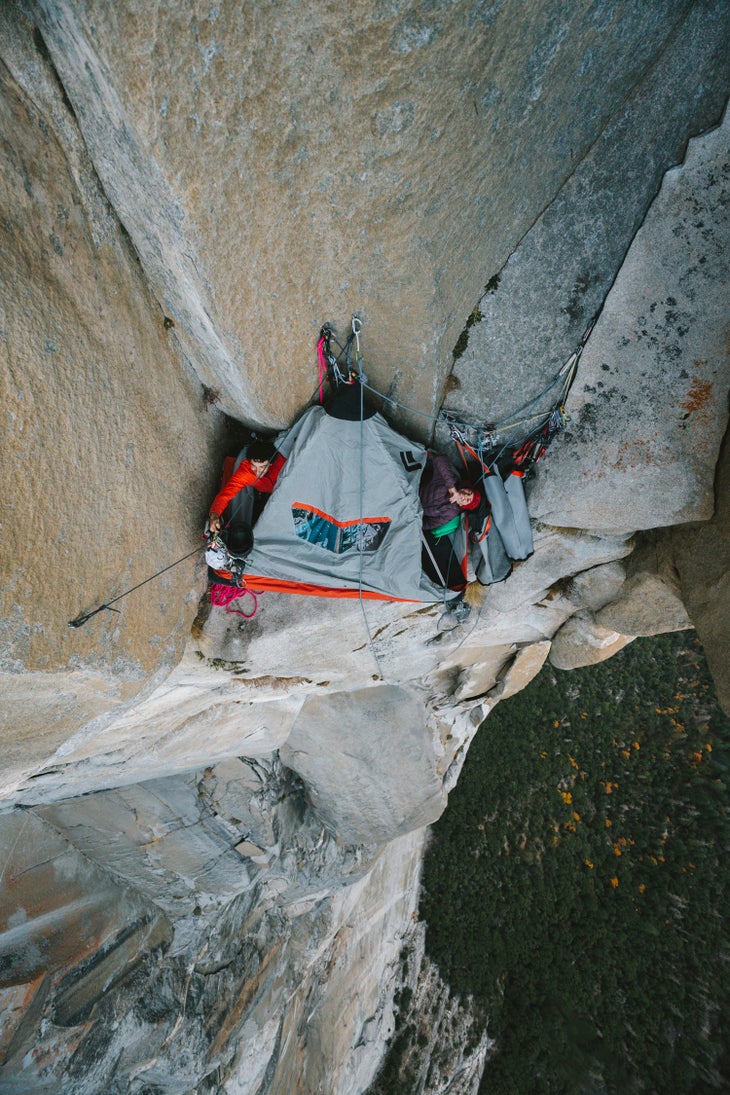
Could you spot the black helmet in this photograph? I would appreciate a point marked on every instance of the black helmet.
(239, 540)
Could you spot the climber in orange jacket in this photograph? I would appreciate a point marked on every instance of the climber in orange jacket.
(259, 470)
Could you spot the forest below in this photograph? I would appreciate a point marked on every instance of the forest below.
(576, 885)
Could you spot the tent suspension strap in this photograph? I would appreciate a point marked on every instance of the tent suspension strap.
(356, 328)
(566, 374)
(84, 616)
(445, 416)
(333, 364)
(565, 377)
(436, 567)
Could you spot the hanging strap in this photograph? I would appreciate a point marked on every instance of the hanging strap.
(456, 437)
(331, 365)
(436, 567)
(487, 526)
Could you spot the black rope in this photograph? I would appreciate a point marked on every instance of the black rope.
(84, 616)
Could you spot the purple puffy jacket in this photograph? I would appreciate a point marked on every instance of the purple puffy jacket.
(434, 493)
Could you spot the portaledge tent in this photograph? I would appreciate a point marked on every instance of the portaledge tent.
(344, 519)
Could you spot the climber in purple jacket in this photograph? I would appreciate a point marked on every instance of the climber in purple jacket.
(443, 498)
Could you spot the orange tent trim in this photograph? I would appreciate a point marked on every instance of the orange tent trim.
(340, 524)
(260, 584)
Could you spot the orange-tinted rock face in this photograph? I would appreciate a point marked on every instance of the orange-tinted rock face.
(108, 449)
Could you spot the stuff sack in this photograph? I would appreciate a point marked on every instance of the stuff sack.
(491, 563)
(510, 514)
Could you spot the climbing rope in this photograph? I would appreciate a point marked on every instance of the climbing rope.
(84, 616)
(222, 596)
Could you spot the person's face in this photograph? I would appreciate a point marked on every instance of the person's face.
(465, 496)
(259, 467)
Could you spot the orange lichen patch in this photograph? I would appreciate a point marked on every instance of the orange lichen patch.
(632, 454)
(699, 397)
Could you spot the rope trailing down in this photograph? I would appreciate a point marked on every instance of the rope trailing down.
(82, 618)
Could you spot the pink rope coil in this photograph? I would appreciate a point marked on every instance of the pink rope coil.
(222, 596)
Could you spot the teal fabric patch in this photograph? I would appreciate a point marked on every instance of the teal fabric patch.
(444, 530)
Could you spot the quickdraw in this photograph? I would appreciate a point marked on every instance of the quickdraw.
(338, 368)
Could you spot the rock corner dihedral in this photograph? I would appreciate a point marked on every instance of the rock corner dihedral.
(213, 825)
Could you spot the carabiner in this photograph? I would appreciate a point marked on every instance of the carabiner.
(356, 328)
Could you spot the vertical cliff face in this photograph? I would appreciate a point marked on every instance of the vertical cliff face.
(188, 195)
(104, 436)
(341, 144)
(165, 950)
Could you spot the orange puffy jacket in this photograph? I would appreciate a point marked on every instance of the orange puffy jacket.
(244, 476)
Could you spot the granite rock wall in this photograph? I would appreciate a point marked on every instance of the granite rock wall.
(212, 827)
